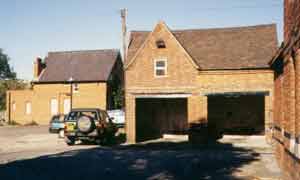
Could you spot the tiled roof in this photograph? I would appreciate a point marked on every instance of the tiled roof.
(86, 65)
(222, 48)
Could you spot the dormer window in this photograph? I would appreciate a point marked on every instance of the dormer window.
(160, 67)
(160, 44)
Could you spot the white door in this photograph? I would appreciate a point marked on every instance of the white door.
(54, 107)
(67, 106)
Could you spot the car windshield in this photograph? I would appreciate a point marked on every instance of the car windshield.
(57, 118)
(74, 115)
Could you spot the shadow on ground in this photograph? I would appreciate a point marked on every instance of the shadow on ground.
(161, 160)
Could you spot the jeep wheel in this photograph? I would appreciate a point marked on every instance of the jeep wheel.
(70, 141)
(85, 124)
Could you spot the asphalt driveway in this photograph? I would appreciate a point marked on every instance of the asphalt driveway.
(32, 153)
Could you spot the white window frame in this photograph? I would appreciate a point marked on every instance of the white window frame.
(53, 110)
(161, 68)
(28, 108)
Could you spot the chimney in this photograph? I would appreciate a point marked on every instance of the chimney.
(37, 68)
(124, 33)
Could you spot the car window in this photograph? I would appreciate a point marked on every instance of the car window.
(92, 115)
(74, 115)
(55, 119)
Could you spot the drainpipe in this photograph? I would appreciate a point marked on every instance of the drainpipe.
(9, 107)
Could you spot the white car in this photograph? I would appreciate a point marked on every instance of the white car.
(118, 117)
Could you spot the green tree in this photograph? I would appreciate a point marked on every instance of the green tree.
(8, 79)
(6, 71)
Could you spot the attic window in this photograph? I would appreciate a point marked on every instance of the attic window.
(160, 43)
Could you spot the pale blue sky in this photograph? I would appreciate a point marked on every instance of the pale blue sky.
(31, 28)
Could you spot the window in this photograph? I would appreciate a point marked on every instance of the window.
(160, 44)
(28, 108)
(14, 106)
(54, 107)
(160, 67)
(67, 106)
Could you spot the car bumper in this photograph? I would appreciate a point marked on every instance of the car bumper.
(82, 135)
(52, 130)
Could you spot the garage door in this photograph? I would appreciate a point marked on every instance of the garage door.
(242, 114)
(155, 117)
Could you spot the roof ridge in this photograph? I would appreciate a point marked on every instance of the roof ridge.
(216, 28)
(79, 51)
(227, 28)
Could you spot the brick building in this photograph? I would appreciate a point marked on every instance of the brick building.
(286, 64)
(217, 76)
(92, 74)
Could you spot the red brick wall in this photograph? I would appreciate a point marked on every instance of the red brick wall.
(286, 118)
(291, 16)
(287, 95)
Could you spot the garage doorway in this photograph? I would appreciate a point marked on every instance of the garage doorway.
(237, 114)
(158, 116)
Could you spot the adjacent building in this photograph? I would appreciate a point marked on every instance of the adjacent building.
(65, 80)
(220, 77)
(286, 64)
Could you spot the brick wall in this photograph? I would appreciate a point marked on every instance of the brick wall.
(184, 78)
(89, 95)
(287, 94)
(291, 16)
(286, 116)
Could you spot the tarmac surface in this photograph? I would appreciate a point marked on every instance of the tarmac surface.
(34, 154)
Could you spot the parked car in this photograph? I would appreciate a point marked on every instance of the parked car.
(57, 125)
(118, 117)
(89, 125)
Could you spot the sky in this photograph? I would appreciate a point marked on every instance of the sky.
(31, 28)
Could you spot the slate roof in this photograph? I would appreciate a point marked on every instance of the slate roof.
(86, 65)
(248, 47)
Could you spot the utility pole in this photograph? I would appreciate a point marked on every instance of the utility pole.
(124, 33)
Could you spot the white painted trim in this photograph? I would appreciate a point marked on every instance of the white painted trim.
(163, 95)
(161, 68)
(292, 145)
(298, 150)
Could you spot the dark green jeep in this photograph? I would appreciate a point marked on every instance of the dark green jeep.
(89, 125)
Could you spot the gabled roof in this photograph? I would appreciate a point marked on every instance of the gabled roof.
(86, 65)
(221, 48)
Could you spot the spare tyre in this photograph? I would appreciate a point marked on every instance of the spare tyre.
(85, 124)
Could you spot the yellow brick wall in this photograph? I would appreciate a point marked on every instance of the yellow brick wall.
(20, 97)
(90, 95)
(235, 80)
(181, 72)
(183, 77)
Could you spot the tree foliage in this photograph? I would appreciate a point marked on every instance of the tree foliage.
(6, 71)
(8, 79)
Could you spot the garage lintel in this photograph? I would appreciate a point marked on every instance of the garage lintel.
(164, 95)
(259, 93)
